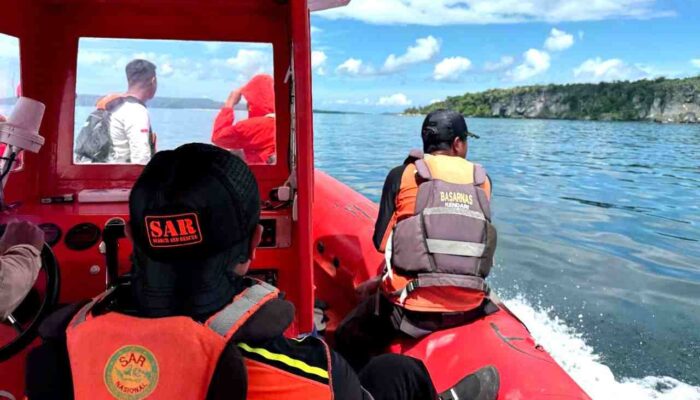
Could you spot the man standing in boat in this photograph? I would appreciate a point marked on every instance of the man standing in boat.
(130, 124)
(191, 325)
(434, 226)
(254, 136)
(119, 130)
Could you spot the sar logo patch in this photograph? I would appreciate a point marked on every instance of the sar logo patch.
(173, 230)
(131, 373)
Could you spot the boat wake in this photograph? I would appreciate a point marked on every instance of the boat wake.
(568, 347)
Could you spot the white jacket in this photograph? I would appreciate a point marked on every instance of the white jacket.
(130, 130)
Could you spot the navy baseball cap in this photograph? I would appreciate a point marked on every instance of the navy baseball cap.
(192, 213)
(442, 126)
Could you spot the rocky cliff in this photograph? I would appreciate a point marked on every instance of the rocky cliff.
(660, 100)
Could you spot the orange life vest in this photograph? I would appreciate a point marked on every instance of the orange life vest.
(119, 356)
(442, 243)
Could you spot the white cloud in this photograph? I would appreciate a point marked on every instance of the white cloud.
(355, 102)
(250, 62)
(614, 69)
(424, 50)
(433, 101)
(166, 69)
(315, 30)
(450, 12)
(695, 62)
(451, 69)
(535, 62)
(558, 40)
(503, 63)
(397, 99)
(354, 67)
(9, 46)
(318, 61)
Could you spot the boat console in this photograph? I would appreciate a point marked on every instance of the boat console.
(75, 232)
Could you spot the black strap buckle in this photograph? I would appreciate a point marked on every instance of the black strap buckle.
(412, 285)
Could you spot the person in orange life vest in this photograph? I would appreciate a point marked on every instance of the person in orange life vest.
(255, 136)
(435, 282)
(190, 325)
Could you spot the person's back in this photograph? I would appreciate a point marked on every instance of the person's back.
(255, 136)
(132, 141)
(189, 312)
(434, 226)
(129, 125)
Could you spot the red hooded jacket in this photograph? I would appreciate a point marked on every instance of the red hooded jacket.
(255, 135)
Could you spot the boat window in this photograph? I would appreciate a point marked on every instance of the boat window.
(9, 82)
(136, 97)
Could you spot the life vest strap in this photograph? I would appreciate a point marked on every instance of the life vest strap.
(400, 322)
(441, 280)
(423, 170)
(234, 315)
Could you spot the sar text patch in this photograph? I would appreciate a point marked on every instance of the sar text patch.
(173, 230)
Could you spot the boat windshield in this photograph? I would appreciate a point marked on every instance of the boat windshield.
(136, 97)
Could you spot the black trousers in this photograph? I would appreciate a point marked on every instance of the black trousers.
(376, 322)
(397, 377)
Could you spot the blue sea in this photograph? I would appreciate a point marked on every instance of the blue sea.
(599, 233)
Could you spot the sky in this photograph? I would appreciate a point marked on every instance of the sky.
(384, 56)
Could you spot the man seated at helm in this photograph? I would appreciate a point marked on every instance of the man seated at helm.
(434, 228)
(192, 326)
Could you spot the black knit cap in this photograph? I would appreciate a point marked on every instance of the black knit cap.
(192, 213)
(443, 126)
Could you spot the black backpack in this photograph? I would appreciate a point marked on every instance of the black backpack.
(94, 142)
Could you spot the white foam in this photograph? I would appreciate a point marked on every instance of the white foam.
(579, 359)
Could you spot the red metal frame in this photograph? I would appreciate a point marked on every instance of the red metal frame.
(49, 32)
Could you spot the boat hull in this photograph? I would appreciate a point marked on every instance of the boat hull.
(344, 257)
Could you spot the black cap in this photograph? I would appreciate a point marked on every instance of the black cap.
(193, 211)
(442, 126)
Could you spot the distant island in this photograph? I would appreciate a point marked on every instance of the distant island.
(89, 100)
(658, 100)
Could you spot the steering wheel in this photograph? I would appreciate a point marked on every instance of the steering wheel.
(26, 332)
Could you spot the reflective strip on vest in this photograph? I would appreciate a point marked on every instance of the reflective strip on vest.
(463, 281)
(454, 211)
(241, 306)
(455, 248)
(286, 360)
